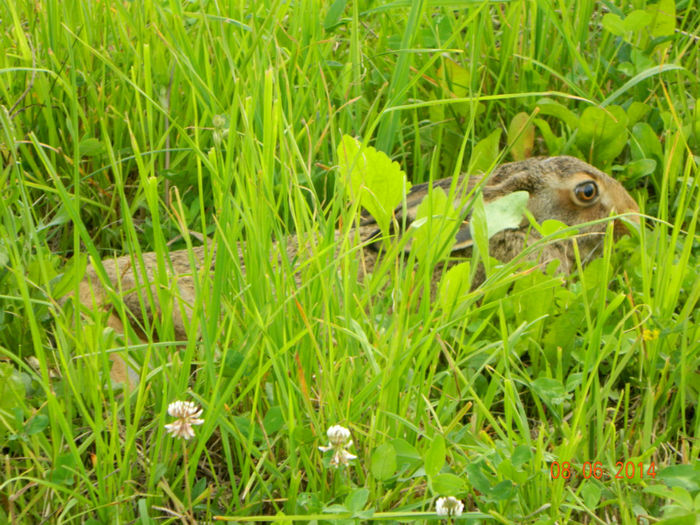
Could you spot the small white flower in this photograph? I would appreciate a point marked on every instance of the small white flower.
(449, 506)
(338, 441)
(338, 436)
(186, 414)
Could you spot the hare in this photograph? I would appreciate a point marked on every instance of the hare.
(562, 188)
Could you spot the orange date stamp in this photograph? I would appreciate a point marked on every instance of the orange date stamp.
(589, 469)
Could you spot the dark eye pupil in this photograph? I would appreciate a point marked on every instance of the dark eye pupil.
(586, 191)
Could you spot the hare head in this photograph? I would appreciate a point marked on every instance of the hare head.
(564, 188)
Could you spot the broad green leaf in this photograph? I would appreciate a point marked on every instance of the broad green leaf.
(591, 494)
(503, 491)
(521, 455)
(552, 226)
(406, 454)
(384, 462)
(37, 424)
(637, 20)
(334, 13)
(447, 484)
(455, 80)
(371, 177)
(562, 330)
(638, 169)
(646, 144)
(602, 133)
(636, 112)
(485, 153)
(435, 456)
(555, 109)
(685, 476)
(63, 470)
(521, 136)
(477, 478)
(555, 144)
(90, 147)
(663, 18)
(357, 499)
(505, 212)
(273, 420)
(550, 390)
(435, 226)
(614, 24)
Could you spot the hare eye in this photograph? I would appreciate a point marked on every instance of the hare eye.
(586, 191)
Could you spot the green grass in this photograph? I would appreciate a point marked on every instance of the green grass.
(130, 127)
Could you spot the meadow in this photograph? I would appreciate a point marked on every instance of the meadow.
(137, 126)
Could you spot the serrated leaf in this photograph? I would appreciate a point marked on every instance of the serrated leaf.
(372, 178)
(435, 456)
(384, 462)
(521, 136)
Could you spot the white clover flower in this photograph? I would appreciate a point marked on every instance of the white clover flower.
(338, 441)
(449, 506)
(186, 414)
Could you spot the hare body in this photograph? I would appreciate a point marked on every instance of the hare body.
(562, 188)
